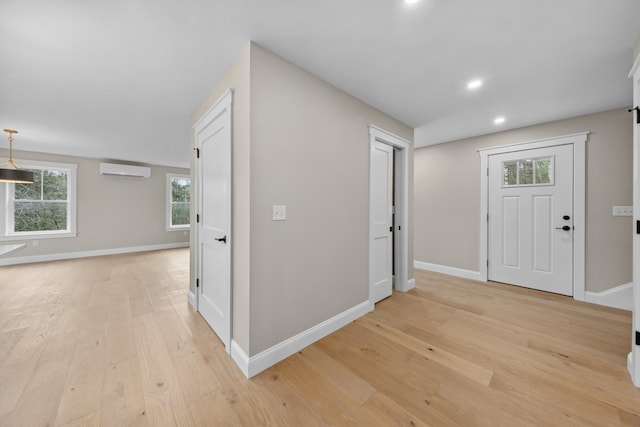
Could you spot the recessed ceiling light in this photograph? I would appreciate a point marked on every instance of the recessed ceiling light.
(411, 1)
(474, 84)
(499, 120)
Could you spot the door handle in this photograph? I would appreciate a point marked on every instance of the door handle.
(565, 228)
(222, 239)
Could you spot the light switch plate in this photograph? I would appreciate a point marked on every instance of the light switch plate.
(623, 211)
(279, 212)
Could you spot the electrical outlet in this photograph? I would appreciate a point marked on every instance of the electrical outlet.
(279, 212)
(623, 211)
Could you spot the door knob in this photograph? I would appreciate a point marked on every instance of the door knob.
(222, 239)
(565, 228)
(566, 217)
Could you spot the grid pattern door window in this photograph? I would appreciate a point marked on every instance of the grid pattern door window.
(527, 172)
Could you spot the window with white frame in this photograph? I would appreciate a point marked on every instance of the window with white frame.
(46, 208)
(528, 172)
(178, 201)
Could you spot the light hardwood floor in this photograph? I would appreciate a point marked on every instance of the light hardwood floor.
(111, 341)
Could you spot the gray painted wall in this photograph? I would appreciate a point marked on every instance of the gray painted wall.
(112, 212)
(310, 152)
(447, 196)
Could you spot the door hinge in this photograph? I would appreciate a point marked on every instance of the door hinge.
(197, 217)
(637, 337)
(399, 227)
(393, 210)
(487, 263)
(391, 229)
(197, 152)
(637, 110)
(487, 217)
(197, 283)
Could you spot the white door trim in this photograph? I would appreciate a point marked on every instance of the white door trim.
(633, 359)
(401, 171)
(578, 141)
(222, 105)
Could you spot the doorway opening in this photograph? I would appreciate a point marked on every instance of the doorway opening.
(388, 214)
(213, 228)
(500, 159)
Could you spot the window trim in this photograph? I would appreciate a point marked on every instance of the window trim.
(6, 222)
(168, 205)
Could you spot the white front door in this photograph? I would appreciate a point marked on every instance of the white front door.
(531, 218)
(381, 218)
(213, 141)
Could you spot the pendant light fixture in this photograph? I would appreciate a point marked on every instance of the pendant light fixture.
(12, 173)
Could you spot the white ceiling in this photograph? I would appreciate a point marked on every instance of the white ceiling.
(118, 79)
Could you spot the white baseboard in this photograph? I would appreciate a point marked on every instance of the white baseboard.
(635, 379)
(253, 365)
(452, 271)
(86, 254)
(411, 283)
(240, 357)
(618, 297)
(192, 300)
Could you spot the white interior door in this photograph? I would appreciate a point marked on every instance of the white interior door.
(531, 218)
(381, 217)
(213, 141)
(633, 362)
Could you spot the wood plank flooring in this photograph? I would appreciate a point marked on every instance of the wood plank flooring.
(112, 341)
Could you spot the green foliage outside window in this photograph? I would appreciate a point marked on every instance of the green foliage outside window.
(528, 172)
(41, 206)
(180, 201)
(544, 170)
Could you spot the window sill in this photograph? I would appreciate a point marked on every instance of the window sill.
(187, 228)
(36, 236)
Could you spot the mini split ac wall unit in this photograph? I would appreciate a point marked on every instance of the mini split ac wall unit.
(114, 169)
